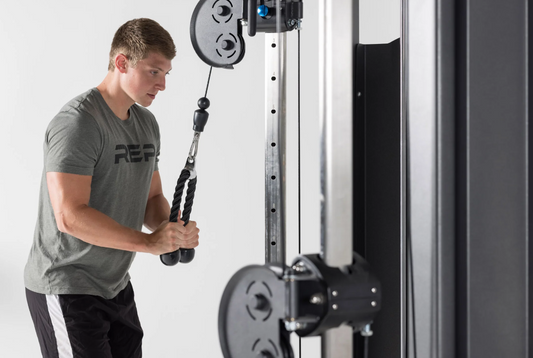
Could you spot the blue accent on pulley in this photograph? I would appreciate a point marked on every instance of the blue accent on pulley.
(262, 10)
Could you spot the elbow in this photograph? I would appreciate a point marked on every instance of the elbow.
(66, 221)
(62, 223)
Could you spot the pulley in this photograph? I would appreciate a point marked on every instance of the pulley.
(262, 305)
(216, 26)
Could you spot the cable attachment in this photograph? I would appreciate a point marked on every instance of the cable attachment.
(182, 255)
(191, 159)
(187, 176)
(201, 115)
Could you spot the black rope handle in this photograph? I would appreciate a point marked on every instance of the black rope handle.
(182, 255)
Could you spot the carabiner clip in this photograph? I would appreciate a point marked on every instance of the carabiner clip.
(191, 159)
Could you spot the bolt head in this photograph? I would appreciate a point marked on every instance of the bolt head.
(223, 10)
(259, 302)
(317, 299)
(292, 325)
(227, 45)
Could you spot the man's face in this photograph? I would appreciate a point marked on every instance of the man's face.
(147, 78)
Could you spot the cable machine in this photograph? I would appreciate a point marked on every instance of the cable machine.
(424, 153)
(333, 294)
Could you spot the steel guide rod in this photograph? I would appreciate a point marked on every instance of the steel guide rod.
(338, 33)
(275, 147)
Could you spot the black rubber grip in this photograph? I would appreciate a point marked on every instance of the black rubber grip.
(182, 255)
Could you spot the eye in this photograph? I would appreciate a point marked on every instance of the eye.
(154, 73)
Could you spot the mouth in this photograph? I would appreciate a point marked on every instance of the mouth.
(152, 96)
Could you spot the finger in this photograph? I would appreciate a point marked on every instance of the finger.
(190, 245)
(180, 228)
(191, 232)
(191, 225)
(188, 238)
(193, 241)
(175, 230)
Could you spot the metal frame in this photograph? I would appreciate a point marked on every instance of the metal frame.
(429, 33)
(444, 291)
(469, 175)
(493, 178)
(338, 34)
(464, 177)
(404, 95)
(421, 102)
(379, 201)
(275, 147)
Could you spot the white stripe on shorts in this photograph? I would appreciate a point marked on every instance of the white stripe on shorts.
(60, 328)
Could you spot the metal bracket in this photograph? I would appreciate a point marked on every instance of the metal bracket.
(262, 305)
(216, 26)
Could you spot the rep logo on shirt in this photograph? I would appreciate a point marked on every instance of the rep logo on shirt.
(133, 153)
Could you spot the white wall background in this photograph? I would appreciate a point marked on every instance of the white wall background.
(54, 50)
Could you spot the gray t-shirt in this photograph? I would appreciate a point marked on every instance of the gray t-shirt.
(87, 138)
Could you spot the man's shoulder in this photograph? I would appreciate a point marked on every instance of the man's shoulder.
(84, 103)
(77, 115)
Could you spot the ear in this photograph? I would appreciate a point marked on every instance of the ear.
(121, 63)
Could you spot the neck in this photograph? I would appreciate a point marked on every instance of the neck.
(114, 95)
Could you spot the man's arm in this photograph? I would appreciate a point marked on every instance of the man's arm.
(157, 207)
(70, 194)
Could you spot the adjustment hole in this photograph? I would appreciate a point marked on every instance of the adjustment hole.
(273, 144)
(273, 78)
(273, 177)
(273, 45)
(273, 210)
(273, 243)
(273, 111)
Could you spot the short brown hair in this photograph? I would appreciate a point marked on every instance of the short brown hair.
(137, 38)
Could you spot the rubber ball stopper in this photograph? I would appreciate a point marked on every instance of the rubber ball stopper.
(203, 103)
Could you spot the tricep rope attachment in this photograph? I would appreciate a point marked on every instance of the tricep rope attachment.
(188, 174)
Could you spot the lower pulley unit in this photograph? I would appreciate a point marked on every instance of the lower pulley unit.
(262, 305)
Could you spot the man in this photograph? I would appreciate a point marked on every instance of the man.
(100, 184)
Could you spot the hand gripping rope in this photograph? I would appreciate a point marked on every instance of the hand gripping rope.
(188, 173)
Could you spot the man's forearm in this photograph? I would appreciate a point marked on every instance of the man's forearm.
(157, 211)
(96, 228)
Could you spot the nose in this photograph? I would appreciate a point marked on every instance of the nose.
(161, 84)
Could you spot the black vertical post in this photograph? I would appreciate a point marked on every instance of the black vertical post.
(493, 200)
(377, 187)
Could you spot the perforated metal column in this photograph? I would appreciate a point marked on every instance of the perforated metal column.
(275, 147)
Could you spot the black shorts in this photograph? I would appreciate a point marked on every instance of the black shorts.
(85, 326)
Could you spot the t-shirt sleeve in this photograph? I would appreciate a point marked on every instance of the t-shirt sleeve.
(72, 144)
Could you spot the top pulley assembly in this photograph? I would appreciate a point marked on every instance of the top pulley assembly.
(216, 26)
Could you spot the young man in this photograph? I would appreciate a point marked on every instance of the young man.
(100, 184)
